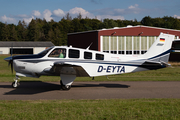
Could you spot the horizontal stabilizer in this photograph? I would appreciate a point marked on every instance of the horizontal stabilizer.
(153, 65)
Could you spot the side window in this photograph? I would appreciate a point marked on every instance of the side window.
(58, 53)
(73, 53)
(87, 55)
(99, 57)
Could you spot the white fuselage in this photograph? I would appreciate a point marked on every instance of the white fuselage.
(93, 62)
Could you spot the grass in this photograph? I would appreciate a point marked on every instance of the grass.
(115, 109)
(160, 109)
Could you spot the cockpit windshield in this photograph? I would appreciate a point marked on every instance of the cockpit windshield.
(58, 53)
(43, 53)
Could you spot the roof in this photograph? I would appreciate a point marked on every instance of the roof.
(129, 26)
(25, 44)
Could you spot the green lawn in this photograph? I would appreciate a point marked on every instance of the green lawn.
(114, 109)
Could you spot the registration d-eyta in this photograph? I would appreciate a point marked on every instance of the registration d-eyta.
(70, 62)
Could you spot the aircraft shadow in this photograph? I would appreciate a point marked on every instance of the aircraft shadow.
(31, 87)
(102, 85)
(35, 87)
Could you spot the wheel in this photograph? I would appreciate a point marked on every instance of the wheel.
(15, 85)
(65, 87)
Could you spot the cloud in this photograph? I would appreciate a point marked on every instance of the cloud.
(176, 16)
(36, 13)
(28, 20)
(133, 7)
(59, 13)
(8, 19)
(47, 15)
(74, 12)
(21, 16)
(100, 17)
(84, 13)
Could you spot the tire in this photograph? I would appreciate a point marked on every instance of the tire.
(65, 87)
(15, 85)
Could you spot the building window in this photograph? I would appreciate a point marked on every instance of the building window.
(113, 42)
(87, 55)
(121, 44)
(106, 44)
(74, 53)
(99, 57)
(126, 44)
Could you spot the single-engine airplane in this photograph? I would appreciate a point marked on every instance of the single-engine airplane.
(70, 62)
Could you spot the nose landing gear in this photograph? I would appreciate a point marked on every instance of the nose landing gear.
(15, 84)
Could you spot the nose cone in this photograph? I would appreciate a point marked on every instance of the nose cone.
(8, 59)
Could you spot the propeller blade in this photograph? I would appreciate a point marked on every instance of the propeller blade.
(12, 66)
(12, 58)
(10, 62)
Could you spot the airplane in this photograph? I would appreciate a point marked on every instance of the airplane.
(70, 62)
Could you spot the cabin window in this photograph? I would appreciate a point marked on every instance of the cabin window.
(87, 55)
(58, 53)
(99, 57)
(73, 53)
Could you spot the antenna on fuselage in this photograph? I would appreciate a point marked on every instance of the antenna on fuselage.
(89, 46)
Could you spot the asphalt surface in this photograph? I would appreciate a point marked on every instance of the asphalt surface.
(37, 90)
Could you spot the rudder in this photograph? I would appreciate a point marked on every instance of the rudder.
(160, 50)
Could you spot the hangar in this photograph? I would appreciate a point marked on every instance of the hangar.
(28, 47)
(130, 40)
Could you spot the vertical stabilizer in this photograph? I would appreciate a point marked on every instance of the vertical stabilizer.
(160, 50)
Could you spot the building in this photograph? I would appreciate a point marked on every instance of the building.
(130, 40)
(28, 47)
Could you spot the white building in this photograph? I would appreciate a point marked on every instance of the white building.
(28, 47)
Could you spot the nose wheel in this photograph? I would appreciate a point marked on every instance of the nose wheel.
(65, 87)
(15, 84)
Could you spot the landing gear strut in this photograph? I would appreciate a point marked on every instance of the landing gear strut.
(15, 84)
(65, 87)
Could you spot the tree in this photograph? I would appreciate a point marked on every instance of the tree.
(1, 29)
(58, 40)
(147, 21)
(109, 23)
(13, 34)
(5, 34)
(79, 16)
(68, 17)
(22, 31)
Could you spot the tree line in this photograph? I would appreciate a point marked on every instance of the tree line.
(56, 32)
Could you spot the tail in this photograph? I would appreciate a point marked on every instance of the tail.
(160, 50)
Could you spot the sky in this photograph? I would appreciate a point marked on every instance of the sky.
(11, 11)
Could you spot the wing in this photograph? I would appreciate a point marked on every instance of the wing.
(56, 69)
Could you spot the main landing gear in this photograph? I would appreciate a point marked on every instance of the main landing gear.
(68, 75)
(15, 84)
(65, 87)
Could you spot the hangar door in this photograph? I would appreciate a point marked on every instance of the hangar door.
(21, 50)
(126, 44)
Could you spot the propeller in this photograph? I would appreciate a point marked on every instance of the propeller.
(11, 59)
(11, 63)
